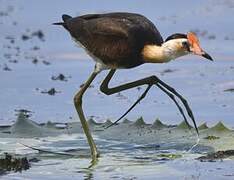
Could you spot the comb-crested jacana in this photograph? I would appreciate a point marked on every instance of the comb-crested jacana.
(126, 40)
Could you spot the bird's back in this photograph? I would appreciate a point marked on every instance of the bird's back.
(117, 39)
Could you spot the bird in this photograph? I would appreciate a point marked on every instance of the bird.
(123, 40)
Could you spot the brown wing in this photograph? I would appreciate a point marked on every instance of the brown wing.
(116, 38)
(109, 40)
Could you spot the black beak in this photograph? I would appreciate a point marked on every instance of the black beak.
(207, 56)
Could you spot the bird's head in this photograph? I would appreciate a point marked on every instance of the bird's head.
(178, 45)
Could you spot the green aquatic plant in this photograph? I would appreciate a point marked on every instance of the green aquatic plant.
(217, 155)
(107, 123)
(184, 125)
(10, 163)
(158, 124)
(211, 137)
(203, 126)
(91, 122)
(126, 121)
(140, 122)
(220, 127)
(169, 156)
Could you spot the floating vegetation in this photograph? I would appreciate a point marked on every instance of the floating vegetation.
(107, 123)
(35, 60)
(49, 124)
(211, 137)
(203, 126)
(167, 137)
(25, 37)
(216, 156)
(184, 125)
(10, 163)
(51, 92)
(35, 48)
(60, 77)
(169, 156)
(6, 68)
(158, 124)
(220, 127)
(168, 71)
(126, 121)
(38, 33)
(159, 157)
(25, 125)
(91, 122)
(46, 62)
(24, 111)
(139, 122)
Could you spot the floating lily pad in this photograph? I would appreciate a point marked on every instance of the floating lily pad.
(107, 123)
(220, 127)
(203, 126)
(158, 124)
(211, 137)
(184, 125)
(170, 156)
(126, 121)
(92, 122)
(140, 122)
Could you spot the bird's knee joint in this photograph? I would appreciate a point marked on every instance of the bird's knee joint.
(153, 79)
(77, 99)
(104, 89)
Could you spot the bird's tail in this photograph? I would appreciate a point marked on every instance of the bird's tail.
(65, 17)
(59, 23)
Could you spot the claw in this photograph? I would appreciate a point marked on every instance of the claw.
(189, 111)
(177, 104)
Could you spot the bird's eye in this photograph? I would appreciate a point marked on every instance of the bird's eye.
(186, 45)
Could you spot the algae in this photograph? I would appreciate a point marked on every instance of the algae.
(10, 163)
(217, 155)
(211, 137)
(170, 156)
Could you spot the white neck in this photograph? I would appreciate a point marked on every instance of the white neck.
(169, 50)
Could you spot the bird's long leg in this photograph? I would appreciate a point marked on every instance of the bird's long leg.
(143, 96)
(183, 100)
(149, 81)
(137, 101)
(78, 105)
(177, 104)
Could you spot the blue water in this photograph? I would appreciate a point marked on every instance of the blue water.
(200, 81)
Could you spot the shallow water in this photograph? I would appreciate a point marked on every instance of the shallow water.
(118, 161)
(127, 151)
(201, 82)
